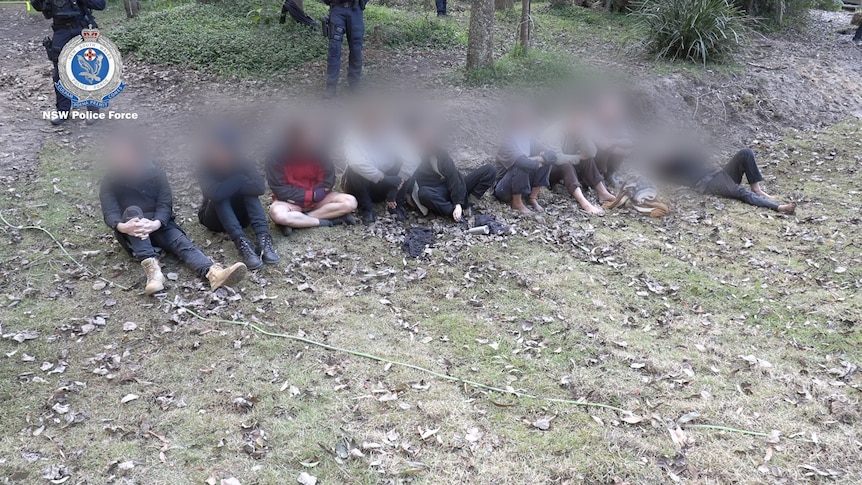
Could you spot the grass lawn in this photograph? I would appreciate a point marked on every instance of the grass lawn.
(717, 315)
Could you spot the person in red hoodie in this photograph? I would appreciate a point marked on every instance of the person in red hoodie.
(301, 176)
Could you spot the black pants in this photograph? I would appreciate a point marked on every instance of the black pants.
(439, 201)
(232, 215)
(61, 37)
(573, 176)
(171, 239)
(608, 164)
(521, 181)
(345, 22)
(368, 193)
(726, 183)
(858, 36)
(441, 7)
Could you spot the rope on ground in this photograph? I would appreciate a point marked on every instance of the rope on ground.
(447, 377)
(60, 245)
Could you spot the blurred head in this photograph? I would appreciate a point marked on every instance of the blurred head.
(128, 154)
(304, 136)
(521, 117)
(610, 109)
(222, 148)
(576, 119)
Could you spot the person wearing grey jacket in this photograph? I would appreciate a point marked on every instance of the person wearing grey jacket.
(379, 161)
(523, 166)
(576, 163)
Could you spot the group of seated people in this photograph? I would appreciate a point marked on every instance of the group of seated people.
(401, 163)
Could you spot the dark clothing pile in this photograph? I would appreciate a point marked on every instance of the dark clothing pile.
(231, 199)
(300, 179)
(494, 226)
(438, 186)
(148, 195)
(416, 240)
(692, 170)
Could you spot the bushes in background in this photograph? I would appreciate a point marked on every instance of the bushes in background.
(699, 31)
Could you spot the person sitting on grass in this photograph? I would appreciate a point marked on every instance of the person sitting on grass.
(523, 165)
(231, 187)
(438, 187)
(611, 135)
(378, 163)
(575, 160)
(690, 168)
(301, 176)
(137, 204)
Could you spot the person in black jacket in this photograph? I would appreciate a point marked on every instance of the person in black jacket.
(231, 188)
(69, 18)
(690, 168)
(137, 204)
(437, 187)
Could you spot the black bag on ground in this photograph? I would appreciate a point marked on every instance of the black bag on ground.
(416, 240)
(494, 227)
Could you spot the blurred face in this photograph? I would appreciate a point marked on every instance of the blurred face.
(126, 156)
(220, 156)
(575, 121)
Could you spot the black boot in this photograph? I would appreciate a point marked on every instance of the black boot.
(264, 248)
(368, 217)
(246, 252)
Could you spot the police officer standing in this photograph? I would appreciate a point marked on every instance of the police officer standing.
(69, 18)
(344, 19)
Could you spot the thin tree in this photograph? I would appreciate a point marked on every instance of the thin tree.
(524, 31)
(480, 37)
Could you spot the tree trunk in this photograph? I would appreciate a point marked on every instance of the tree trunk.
(504, 4)
(132, 7)
(480, 37)
(524, 34)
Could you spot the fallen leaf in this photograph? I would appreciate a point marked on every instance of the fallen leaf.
(128, 398)
(129, 326)
(543, 424)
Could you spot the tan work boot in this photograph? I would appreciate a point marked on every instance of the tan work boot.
(219, 276)
(155, 278)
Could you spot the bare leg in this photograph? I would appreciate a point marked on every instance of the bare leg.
(533, 201)
(758, 189)
(290, 215)
(603, 193)
(585, 204)
(335, 204)
(518, 204)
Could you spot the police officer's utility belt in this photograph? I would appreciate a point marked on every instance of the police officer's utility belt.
(343, 4)
(71, 24)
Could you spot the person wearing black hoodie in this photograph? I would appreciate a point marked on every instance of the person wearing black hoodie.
(137, 204)
(231, 187)
(437, 186)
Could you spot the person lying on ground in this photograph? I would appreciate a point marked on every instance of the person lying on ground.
(612, 137)
(137, 204)
(301, 176)
(691, 169)
(576, 163)
(437, 186)
(231, 187)
(523, 164)
(379, 161)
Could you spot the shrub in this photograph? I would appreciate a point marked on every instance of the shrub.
(699, 31)
(393, 28)
(777, 12)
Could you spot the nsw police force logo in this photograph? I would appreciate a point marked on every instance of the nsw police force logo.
(90, 70)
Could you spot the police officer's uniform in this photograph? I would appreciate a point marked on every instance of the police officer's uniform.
(69, 18)
(345, 19)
